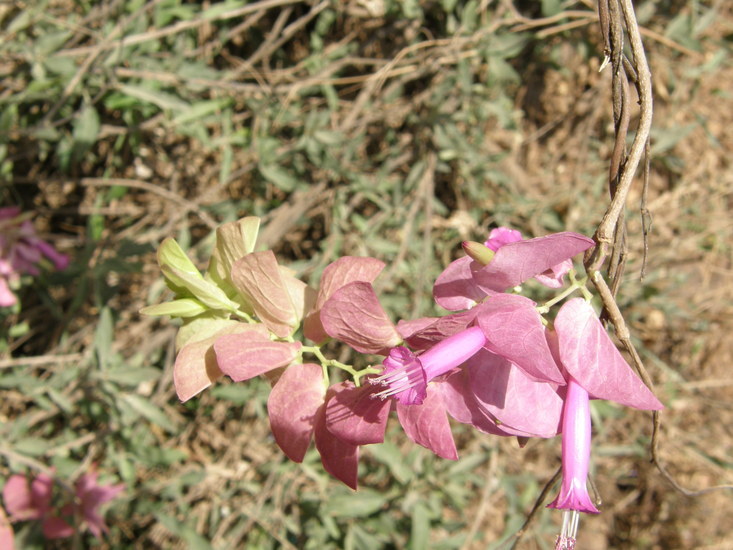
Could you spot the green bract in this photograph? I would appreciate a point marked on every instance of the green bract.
(184, 307)
(185, 280)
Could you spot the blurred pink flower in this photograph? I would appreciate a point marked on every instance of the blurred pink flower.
(33, 500)
(90, 496)
(20, 253)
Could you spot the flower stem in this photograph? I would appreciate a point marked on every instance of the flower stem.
(575, 284)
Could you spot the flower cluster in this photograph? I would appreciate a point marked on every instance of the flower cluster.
(36, 499)
(21, 252)
(496, 362)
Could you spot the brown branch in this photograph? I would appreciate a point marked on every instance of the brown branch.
(512, 543)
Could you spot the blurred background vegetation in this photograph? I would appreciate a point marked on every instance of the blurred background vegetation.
(395, 129)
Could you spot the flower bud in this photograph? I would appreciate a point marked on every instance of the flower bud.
(482, 254)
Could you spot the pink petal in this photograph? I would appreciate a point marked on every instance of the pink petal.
(455, 288)
(340, 459)
(553, 277)
(519, 261)
(461, 404)
(19, 500)
(501, 236)
(592, 359)
(441, 328)
(60, 261)
(7, 298)
(249, 354)
(354, 315)
(195, 368)
(292, 407)
(574, 496)
(343, 271)
(56, 528)
(302, 296)
(8, 212)
(514, 330)
(91, 495)
(355, 416)
(257, 277)
(506, 393)
(407, 328)
(428, 425)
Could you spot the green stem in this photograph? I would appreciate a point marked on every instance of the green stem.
(575, 284)
(325, 363)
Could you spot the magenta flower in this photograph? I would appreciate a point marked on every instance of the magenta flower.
(406, 375)
(33, 500)
(26, 500)
(358, 415)
(20, 253)
(594, 369)
(500, 236)
(576, 434)
(90, 496)
(465, 282)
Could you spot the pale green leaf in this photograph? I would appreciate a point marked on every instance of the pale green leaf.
(183, 307)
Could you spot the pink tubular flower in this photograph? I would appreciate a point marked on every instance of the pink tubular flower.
(576, 435)
(356, 416)
(594, 369)
(406, 375)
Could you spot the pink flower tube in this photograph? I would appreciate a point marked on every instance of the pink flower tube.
(576, 431)
(576, 440)
(406, 375)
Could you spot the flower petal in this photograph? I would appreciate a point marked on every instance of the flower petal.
(339, 458)
(455, 288)
(506, 393)
(461, 404)
(354, 315)
(19, 499)
(591, 358)
(516, 262)
(249, 354)
(514, 330)
(258, 278)
(292, 407)
(196, 366)
(500, 236)
(7, 538)
(355, 416)
(441, 328)
(337, 274)
(428, 425)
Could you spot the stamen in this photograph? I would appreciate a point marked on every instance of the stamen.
(395, 381)
(569, 531)
(400, 372)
